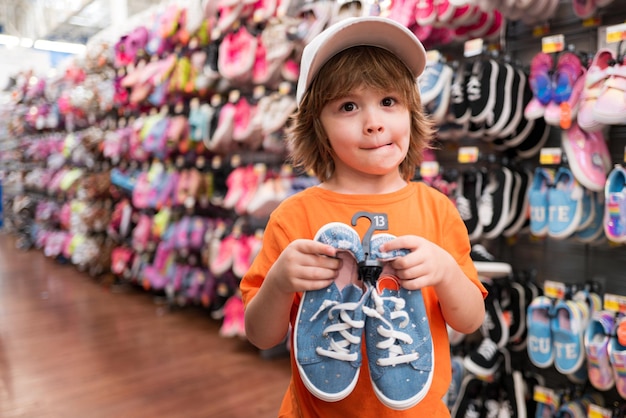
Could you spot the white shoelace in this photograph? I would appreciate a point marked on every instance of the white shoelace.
(482, 251)
(485, 209)
(487, 349)
(340, 350)
(391, 335)
(488, 323)
(463, 206)
(473, 88)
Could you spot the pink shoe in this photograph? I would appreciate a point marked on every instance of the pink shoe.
(425, 12)
(595, 78)
(584, 8)
(223, 261)
(540, 80)
(241, 256)
(237, 54)
(234, 183)
(585, 158)
(534, 109)
(404, 11)
(568, 70)
(564, 113)
(233, 324)
(610, 107)
(242, 122)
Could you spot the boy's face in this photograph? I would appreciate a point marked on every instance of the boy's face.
(369, 132)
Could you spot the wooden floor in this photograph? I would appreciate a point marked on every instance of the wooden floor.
(70, 347)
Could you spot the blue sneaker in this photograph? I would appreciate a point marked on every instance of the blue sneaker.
(568, 325)
(539, 344)
(615, 205)
(330, 323)
(565, 205)
(597, 338)
(595, 229)
(399, 344)
(378, 240)
(538, 200)
(342, 237)
(458, 373)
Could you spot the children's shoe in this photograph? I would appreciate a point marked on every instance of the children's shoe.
(495, 201)
(565, 205)
(538, 134)
(568, 70)
(597, 338)
(469, 189)
(458, 374)
(494, 326)
(433, 80)
(586, 155)
(617, 357)
(597, 74)
(615, 205)
(540, 348)
(610, 107)
(330, 324)
(519, 206)
(486, 263)
(567, 325)
(538, 199)
(540, 84)
(425, 12)
(484, 361)
(399, 343)
(481, 89)
(469, 402)
(584, 9)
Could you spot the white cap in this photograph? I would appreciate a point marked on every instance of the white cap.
(359, 31)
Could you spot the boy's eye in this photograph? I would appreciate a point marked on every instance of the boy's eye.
(348, 107)
(387, 101)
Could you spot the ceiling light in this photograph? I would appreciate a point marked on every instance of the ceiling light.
(54, 46)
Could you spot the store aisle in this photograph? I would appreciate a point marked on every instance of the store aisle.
(70, 347)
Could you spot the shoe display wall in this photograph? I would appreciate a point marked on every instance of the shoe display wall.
(157, 163)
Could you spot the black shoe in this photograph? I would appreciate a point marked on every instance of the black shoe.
(485, 360)
(469, 189)
(486, 264)
(469, 403)
(494, 204)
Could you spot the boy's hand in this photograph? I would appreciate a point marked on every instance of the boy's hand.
(304, 265)
(427, 264)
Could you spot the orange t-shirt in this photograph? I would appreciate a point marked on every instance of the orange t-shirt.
(416, 209)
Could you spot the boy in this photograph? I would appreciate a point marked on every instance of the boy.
(360, 128)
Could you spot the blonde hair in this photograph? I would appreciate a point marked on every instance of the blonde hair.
(354, 67)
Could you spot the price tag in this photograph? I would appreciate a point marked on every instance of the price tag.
(615, 303)
(467, 155)
(429, 169)
(616, 33)
(554, 43)
(473, 47)
(596, 411)
(541, 30)
(554, 289)
(546, 396)
(433, 56)
(549, 156)
(592, 22)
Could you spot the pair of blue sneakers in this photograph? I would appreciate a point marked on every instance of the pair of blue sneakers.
(559, 206)
(332, 322)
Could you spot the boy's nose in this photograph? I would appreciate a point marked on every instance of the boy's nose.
(373, 123)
